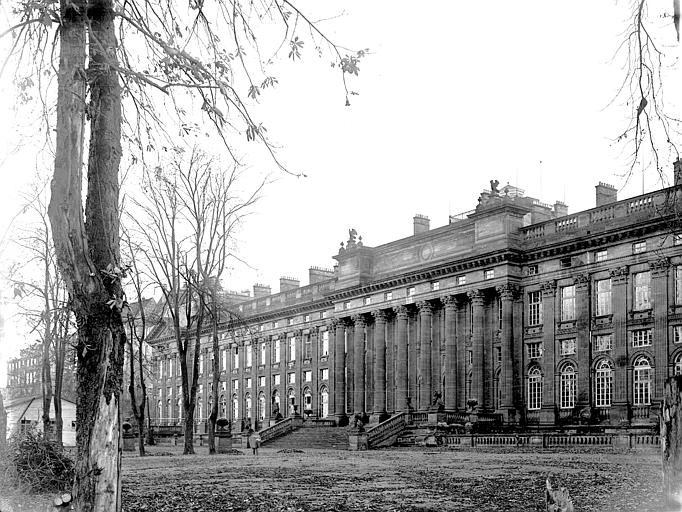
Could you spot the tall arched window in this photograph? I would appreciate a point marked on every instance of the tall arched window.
(261, 406)
(534, 389)
(199, 415)
(275, 402)
(568, 387)
(169, 409)
(307, 400)
(324, 401)
(249, 406)
(159, 410)
(235, 407)
(178, 409)
(210, 406)
(223, 407)
(677, 369)
(291, 401)
(641, 377)
(603, 384)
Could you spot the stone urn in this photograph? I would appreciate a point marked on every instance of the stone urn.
(129, 439)
(223, 435)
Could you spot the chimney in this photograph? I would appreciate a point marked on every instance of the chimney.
(421, 224)
(319, 274)
(260, 290)
(560, 209)
(605, 194)
(287, 283)
(677, 169)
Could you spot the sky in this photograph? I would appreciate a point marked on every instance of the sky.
(451, 95)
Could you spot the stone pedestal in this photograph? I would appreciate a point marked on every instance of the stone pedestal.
(223, 442)
(129, 442)
(434, 418)
(357, 441)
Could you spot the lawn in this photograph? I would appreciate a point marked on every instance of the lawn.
(493, 479)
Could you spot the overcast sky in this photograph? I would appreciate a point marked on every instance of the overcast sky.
(453, 95)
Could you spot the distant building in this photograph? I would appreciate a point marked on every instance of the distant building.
(529, 314)
(26, 412)
(24, 374)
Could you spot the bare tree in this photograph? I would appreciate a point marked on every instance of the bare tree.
(193, 210)
(44, 304)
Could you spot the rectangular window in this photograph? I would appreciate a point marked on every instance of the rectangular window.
(642, 281)
(306, 318)
(249, 356)
(275, 380)
(602, 342)
(639, 247)
(642, 337)
(532, 270)
(170, 368)
(248, 382)
(324, 374)
(600, 256)
(346, 305)
(461, 280)
(535, 308)
(565, 263)
(307, 347)
(534, 350)
(367, 301)
(388, 296)
(235, 384)
(435, 286)
(677, 334)
(223, 360)
(261, 328)
(308, 376)
(568, 303)
(292, 348)
(567, 347)
(275, 351)
(678, 285)
(488, 274)
(292, 378)
(324, 315)
(261, 381)
(603, 287)
(324, 349)
(263, 348)
(411, 291)
(677, 239)
(498, 355)
(290, 321)
(201, 364)
(236, 358)
(470, 357)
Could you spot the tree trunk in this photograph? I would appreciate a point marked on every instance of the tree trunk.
(671, 441)
(216, 383)
(46, 384)
(88, 254)
(3, 423)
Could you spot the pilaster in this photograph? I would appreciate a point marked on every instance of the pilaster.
(507, 292)
(659, 294)
(621, 382)
(548, 411)
(582, 342)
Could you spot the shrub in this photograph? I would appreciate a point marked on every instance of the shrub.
(38, 463)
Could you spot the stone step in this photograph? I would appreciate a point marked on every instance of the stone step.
(334, 438)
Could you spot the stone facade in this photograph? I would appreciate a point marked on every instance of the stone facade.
(24, 374)
(516, 310)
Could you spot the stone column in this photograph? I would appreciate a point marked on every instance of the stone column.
(507, 292)
(450, 391)
(380, 367)
(548, 411)
(477, 299)
(582, 348)
(401, 358)
(369, 367)
(315, 367)
(462, 336)
(359, 364)
(425, 316)
(390, 368)
(339, 377)
(436, 358)
(659, 296)
(621, 383)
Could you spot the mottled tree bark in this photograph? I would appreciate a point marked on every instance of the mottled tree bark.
(671, 441)
(88, 252)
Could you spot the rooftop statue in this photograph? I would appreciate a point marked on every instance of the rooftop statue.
(493, 188)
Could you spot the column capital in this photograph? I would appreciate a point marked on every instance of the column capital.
(380, 315)
(659, 267)
(476, 297)
(400, 311)
(424, 306)
(296, 332)
(449, 301)
(331, 324)
(549, 288)
(358, 320)
(620, 275)
(508, 291)
(582, 279)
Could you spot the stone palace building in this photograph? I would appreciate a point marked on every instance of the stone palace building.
(516, 310)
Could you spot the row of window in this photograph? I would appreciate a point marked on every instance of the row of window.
(641, 294)
(602, 342)
(642, 384)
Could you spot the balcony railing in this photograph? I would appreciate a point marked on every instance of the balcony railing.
(276, 430)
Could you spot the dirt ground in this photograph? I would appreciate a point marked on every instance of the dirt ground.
(383, 480)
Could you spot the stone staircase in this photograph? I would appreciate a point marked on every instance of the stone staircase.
(302, 438)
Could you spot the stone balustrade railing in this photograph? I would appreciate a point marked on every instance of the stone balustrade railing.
(276, 430)
(386, 430)
(629, 441)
